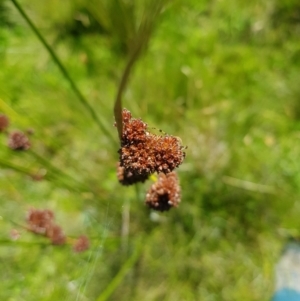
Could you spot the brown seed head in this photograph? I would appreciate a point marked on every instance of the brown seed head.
(42, 222)
(4, 122)
(56, 235)
(134, 130)
(165, 193)
(126, 177)
(143, 153)
(18, 141)
(39, 221)
(81, 244)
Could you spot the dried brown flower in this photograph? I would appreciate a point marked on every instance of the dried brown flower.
(39, 220)
(165, 193)
(81, 244)
(134, 130)
(4, 122)
(56, 235)
(18, 141)
(42, 222)
(143, 153)
(126, 177)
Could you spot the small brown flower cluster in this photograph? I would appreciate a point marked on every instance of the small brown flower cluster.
(18, 141)
(126, 177)
(81, 244)
(42, 222)
(164, 193)
(4, 122)
(143, 153)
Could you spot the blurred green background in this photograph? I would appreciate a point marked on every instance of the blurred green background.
(223, 75)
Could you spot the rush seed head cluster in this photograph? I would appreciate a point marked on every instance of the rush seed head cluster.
(143, 153)
(4, 122)
(42, 222)
(18, 141)
(126, 177)
(164, 193)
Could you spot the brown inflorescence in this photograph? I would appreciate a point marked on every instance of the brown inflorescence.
(56, 235)
(39, 220)
(143, 153)
(18, 141)
(126, 177)
(42, 222)
(4, 122)
(81, 244)
(164, 193)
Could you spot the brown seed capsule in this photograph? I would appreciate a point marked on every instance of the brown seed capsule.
(81, 244)
(126, 177)
(4, 122)
(18, 141)
(39, 220)
(143, 153)
(165, 193)
(42, 222)
(56, 235)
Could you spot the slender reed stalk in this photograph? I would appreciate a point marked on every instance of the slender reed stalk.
(140, 42)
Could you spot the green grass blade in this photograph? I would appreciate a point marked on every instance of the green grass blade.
(122, 273)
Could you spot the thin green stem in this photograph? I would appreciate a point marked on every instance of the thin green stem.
(118, 102)
(63, 70)
(122, 273)
(23, 243)
(52, 177)
(58, 172)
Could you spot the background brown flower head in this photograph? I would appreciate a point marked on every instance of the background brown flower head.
(56, 235)
(165, 193)
(81, 244)
(42, 222)
(4, 122)
(39, 220)
(18, 141)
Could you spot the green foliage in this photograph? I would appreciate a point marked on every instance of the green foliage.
(222, 75)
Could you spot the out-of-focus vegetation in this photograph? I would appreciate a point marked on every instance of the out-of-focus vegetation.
(222, 75)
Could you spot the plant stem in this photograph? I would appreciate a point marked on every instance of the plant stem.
(122, 273)
(140, 42)
(58, 172)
